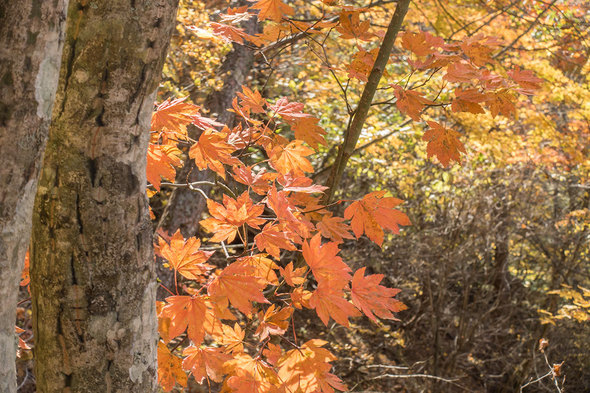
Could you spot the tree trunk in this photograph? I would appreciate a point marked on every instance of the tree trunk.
(92, 270)
(31, 40)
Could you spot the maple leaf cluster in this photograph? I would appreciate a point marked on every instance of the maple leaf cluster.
(237, 319)
(291, 263)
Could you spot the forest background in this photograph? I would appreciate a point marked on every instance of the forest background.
(495, 260)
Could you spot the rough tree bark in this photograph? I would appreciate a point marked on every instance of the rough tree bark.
(92, 268)
(31, 40)
(186, 207)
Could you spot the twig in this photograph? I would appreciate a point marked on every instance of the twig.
(535, 381)
(415, 376)
(427, 376)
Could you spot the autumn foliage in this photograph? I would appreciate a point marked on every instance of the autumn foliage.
(236, 319)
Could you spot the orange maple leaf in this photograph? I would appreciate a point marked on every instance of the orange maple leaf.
(239, 284)
(461, 72)
(526, 79)
(421, 43)
(304, 184)
(273, 321)
(252, 100)
(161, 160)
(212, 150)
(479, 49)
(259, 182)
(288, 215)
(307, 369)
(500, 103)
(300, 298)
(374, 299)
(227, 218)
(273, 353)
(293, 276)
(362, 63)
(170, 370)
(251, 375)
(272, 9)
(187, 313)
(184, 256)
(468, 101)
(272, 239)
(228, 33)
(334, 228)
(174, 116)
(25, 278)
(264, 268)
(205, 362)
(329, 302)
(291, 158)
(289, 111)
(351, 27)
(373, 213)
(327, 267)
(308, 130)
(231, 338)
(444, 143)
(410, 102)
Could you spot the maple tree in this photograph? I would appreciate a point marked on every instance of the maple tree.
(278, 220)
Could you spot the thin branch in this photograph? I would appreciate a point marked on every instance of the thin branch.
(535, 381)
(354, 131)
(427, 376)
(416, 376)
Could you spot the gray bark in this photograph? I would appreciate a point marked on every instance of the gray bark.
(31, 40)
(92, 267)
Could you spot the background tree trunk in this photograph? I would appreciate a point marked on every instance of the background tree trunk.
(92, 268)
(186, 207)
(31, 40)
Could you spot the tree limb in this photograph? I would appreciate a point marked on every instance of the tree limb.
(360, 115)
